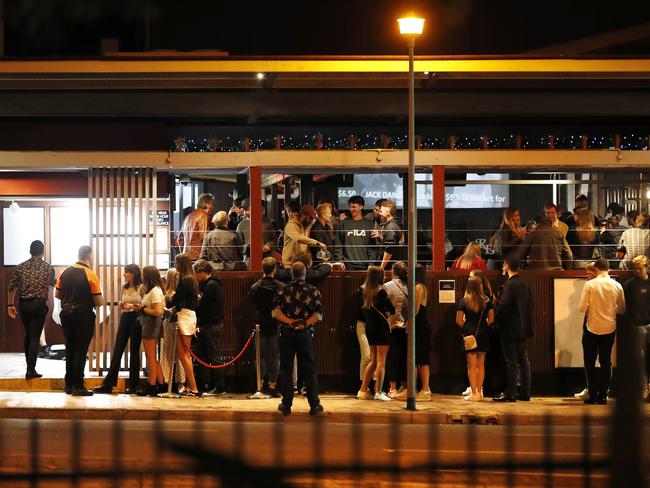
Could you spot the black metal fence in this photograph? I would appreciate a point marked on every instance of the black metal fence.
(284, 453)
(306, 451)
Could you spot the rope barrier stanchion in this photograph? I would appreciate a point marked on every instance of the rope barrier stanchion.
(224, 365)
(258, 395)
(172, 365)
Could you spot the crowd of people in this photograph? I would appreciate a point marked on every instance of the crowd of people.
(354, 243)
(183, 312)
(557, 240)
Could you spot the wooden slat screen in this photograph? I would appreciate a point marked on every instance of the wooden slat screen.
(122, 206)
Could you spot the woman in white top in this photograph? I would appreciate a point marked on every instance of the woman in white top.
(151, 321)
(128, 330)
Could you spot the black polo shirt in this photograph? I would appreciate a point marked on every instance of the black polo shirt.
(77, 285)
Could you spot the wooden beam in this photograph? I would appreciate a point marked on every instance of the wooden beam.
(331, 64)
(288, 160)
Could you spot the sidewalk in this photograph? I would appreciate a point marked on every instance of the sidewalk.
(44, 399)
(338, 408)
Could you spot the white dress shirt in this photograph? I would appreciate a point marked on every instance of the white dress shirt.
(602, 298)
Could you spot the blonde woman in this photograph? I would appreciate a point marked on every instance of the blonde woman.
(169, 330)
(475, 314)
(470, 259)
(185, 302)
(376, 308)
(583, 237)
(494, 363)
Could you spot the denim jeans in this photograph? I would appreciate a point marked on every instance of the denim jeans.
(207, 346)
(300, 344)
(595, 345)
(32, 314)
(269, 357)
(516, 357)
(128, 330)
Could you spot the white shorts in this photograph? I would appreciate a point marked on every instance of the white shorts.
(186, 320)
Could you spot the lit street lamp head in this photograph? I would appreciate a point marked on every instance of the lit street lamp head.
(410, 26)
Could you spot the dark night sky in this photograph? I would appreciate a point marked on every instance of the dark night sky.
(329, 27)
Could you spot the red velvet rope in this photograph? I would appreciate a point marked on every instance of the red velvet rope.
(217, 366)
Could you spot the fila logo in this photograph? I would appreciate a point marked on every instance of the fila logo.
(356, 233)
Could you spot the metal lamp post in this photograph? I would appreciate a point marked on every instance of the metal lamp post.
(411, 27)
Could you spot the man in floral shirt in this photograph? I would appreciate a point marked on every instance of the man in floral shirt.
(298, 307)
(30, 285)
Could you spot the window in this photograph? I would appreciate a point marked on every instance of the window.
(21, 227)
(69, 231)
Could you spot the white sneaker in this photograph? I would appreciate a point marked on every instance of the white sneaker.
(382, 397)
(583, 395)
(393, 394)
(467, 392)
(363, 395)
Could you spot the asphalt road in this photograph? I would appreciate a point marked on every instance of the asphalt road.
(333, 454)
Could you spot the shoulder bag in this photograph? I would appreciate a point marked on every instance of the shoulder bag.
(469, 341)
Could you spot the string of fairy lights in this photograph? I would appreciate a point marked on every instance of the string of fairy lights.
(216, 143)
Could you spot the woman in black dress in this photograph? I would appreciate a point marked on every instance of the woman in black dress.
(422, 334)
(495, 365)
(376, 308)
(475, 314)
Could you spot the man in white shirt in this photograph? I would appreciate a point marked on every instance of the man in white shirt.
(602, 299)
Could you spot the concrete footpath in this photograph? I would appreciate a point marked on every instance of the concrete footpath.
(338, 408)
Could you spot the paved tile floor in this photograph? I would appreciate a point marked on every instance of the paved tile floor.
(43, 398)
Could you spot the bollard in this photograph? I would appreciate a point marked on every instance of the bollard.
(172, 372)
(258, 395)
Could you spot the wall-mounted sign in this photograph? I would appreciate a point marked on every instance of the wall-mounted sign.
(162, 217)
(446, 291)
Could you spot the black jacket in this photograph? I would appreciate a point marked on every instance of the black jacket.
(514, 310)
(185, 296)
(391, 235)
(211, 309)
(322, 233)
(262, 292)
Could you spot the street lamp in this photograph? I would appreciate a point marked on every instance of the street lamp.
(411, 27)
